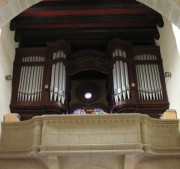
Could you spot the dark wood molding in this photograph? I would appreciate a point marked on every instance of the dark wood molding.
(86, 22)
(88, 60)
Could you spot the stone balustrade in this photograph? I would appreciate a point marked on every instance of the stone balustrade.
(49, 138)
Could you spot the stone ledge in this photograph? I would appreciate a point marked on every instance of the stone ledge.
(64, 135)
(148, 149)
(14, 153)
(114, 149)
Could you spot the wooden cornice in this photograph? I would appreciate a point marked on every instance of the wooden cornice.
(75, 20)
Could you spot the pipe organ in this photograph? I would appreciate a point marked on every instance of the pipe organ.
(42, 78)
(138, 83)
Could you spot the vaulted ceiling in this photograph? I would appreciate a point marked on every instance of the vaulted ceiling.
(86, 23)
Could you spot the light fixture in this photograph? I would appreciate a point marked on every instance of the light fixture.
(87, 92)
(8, 77)
(88, 95)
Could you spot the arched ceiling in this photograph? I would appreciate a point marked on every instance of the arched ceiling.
(86, 23)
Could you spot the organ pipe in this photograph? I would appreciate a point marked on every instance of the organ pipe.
(58, 78)
(127, 80)
(115, 83)
(120, 76)
(30, 83)
(148, 78)
(52, 77)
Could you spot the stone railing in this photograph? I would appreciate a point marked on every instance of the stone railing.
(64, 135)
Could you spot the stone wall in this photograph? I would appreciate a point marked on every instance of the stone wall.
(91, 141)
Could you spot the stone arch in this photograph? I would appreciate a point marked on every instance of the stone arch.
(11, 8)
(168, 8)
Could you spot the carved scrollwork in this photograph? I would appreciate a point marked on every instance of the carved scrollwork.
(88, 60)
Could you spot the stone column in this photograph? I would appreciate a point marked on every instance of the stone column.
(129, 161)
(53, 162)
(37, 136)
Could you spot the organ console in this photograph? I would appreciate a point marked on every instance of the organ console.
(42, 77)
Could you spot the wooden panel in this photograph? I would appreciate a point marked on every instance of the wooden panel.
(86, 22)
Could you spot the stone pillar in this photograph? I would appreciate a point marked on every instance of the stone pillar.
(37, 136)
(53, 162)
(129, 161)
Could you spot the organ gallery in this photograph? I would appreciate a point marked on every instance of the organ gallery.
(100, 60)
(132, 76)
(87, 79)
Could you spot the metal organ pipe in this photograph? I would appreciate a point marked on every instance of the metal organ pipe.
(24, 79)
(30, 88)
(33, 80)
(126, 76)
(115, 83)
(27, 79)
(36, 79)
(41, 79)
(119, 89)
(52, 77)
(120, 76)
(30, 83)
(148, 77)
(56, 81)
(58, 78)
(60, 82)
(153, 81)
(139, 79)
(63, 85)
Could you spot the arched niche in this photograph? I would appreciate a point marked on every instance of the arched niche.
(88, 73)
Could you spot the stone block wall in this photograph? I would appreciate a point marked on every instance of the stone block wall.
(122, 141)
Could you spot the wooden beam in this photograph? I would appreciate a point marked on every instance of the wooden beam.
(84, 34)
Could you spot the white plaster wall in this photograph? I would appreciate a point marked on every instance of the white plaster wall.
(10, 8)
(7, 53)
(171, 63)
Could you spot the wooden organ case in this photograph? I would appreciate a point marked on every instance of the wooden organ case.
(40, 80)
(138, 83)
(41, 83)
